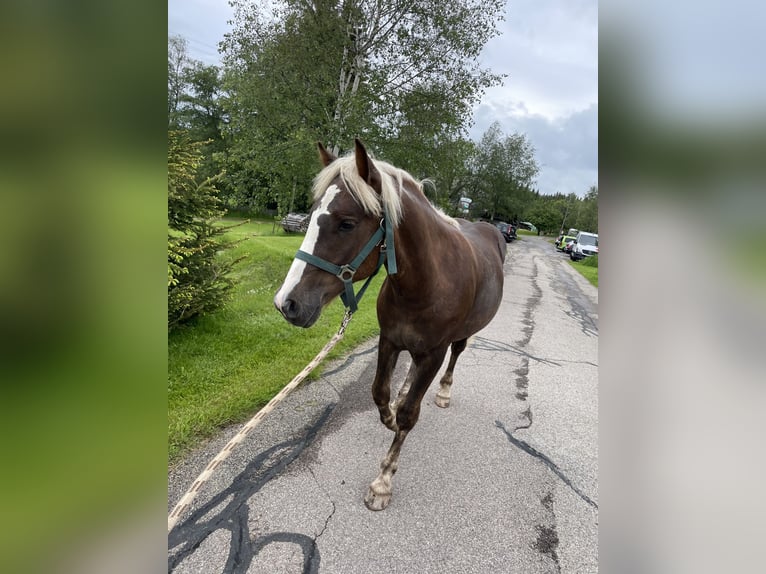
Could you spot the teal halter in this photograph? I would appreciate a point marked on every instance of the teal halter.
(345, 273)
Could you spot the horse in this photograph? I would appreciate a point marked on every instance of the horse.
(444, 281)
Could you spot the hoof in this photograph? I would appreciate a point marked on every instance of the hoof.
(442, 401)
(377, 500)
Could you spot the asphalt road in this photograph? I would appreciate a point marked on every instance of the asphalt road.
(504, 480)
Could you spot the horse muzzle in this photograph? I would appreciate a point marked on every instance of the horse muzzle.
(297, 313)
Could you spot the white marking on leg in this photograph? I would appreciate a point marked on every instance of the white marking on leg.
(443, 395)
(297, 268)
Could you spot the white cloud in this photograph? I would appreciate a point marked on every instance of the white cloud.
(566, 147)
(549, 51)
(203, 23)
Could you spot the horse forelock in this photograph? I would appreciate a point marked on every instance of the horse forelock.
(392, 179)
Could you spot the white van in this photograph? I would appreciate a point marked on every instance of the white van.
(585, 245)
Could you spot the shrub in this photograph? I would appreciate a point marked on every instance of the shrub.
(198, 277)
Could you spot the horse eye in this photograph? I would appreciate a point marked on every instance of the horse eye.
(347, 225)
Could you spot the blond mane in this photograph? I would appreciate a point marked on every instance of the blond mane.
(391, 177)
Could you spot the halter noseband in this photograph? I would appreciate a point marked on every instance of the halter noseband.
(345, 273)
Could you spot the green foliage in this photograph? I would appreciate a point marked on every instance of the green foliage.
(503, 170)
(545, 217)
(198, 278)
(554, 213)
(178, 59)
(587, 216)
(197, 105)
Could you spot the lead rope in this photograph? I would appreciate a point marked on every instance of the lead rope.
(187, 498)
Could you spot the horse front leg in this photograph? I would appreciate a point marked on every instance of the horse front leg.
(445, 384)
(405, 388)
(381, 386)
(408, 410)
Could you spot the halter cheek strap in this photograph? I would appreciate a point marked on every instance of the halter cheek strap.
(345, 273)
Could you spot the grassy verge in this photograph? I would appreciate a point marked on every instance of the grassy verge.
(225, 366)
(588, 268)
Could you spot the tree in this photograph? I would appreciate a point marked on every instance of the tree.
(544, 216)
(588, 216)
(196, 104)
(403, 71)
(202, 114)
(504, 169)
(178, 60)
(198, 279)
(452, 172)
(551, 213)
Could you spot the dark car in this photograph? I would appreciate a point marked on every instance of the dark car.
(508, 230)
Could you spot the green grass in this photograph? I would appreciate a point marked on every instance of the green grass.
(588, 268)
(224, 366)
(743, 256)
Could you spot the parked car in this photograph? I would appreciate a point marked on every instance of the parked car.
(508, 230)
(562, 242)
(295, 222)
(585, 245)
(568, 246)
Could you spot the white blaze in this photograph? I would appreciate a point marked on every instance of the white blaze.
(309, 243)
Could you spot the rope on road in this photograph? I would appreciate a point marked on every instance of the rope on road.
(187, 498)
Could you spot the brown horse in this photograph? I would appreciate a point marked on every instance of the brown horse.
(445, 281)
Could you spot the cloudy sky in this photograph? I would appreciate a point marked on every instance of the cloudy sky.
(549, 51)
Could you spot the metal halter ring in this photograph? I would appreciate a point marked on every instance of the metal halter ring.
(346, 269)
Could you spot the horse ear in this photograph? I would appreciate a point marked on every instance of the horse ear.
(367, 170)
(326, 156)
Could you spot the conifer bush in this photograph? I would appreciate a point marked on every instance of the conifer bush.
(198, 276)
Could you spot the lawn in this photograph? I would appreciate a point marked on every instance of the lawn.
(224, 366)
(588, 268)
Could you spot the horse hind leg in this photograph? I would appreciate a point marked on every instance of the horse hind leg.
(445, 384)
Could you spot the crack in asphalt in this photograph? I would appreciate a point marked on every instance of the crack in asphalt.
(532, 451)
(482, 344)
(548, 537)
(527, 413)
(522, 380)
(565, 286)
(532, 302)
(522, 372)
(315, 548)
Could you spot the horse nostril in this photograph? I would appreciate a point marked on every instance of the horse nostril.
(290, 309)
